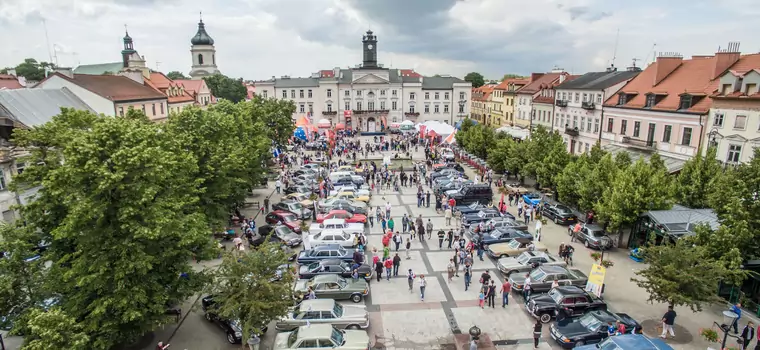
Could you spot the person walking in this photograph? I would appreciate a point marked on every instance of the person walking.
(404, 223)
(536, 333)
(526, 287)
(408, 248)
(410, 279)
(388, 263)
(379, 269)
(447, 214)
(668, 319)
(484, 278)
(456, 263)
(737, 309)
(391, 224)
(481, 298)
(278, 185)
(450, 237)
(491, 294)
(370, 218)
(429, 229)
(386, 253)
(396, 264)
(539, 225)
(467, 277)
(388, 209)
(423, 284)
(397, 240)
(427, 199)
(450, 270)
(506, 288)
(441, 237)
(748, 333)
(421, 233)
(481, 249)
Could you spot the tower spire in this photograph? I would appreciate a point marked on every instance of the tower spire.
(201, 16)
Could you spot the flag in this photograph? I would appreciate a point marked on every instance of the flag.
(276, 152)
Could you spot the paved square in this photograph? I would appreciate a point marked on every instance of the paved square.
(415, 329)
(396, 291)
(499, 323)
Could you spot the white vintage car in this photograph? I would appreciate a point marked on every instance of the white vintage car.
(336, 224)
(333, 236)
(360, 191)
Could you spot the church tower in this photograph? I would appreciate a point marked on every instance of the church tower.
(203, 54)
(370, 50)
(129, 49)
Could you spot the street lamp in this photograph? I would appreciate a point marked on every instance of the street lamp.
(729, 317)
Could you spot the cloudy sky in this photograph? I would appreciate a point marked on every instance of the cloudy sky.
(256, 39)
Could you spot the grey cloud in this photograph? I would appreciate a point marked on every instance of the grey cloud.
(577, 12)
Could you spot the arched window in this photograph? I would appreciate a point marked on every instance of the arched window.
(213, 59)
(200, 59)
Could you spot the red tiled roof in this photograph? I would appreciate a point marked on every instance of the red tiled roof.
(482, 93)
(745, 65)
(542, 82)
(543, 99)
(327, 73)
(193, 86)
(9, 82)
(166, 86)
(504, 85)
(410, 73)
(112, 87)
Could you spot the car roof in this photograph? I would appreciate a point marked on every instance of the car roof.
(594, 227)
(314, 331)
(553, 269)
(333, 231)
(569, 289)
(337, 211)
(331, 262)
(317, 304)
(281, 212)
(334, 221)
(326, 247)
(639, 342)
(325, 278)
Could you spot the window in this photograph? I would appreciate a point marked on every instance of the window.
(437, 95)
(461, 108)
(622, 99)
(427, 95)
(583, 122)
(292, 93)
(651, 99)
(685, 102)
(462, 96)
(727, 89)
(596, 125)
(741, 122)
(393, 104)
(359, 106)
(300, 93)
(588, 124)
(446, 108)
(393, 93)
(686, 137)
(751, 89)
(636, 129)
(309, 93)
(382, 105)
(2, 179)
(20, 168)
(153, 109)
(666, 134)
(610, 124)
(348, 106)
(734, 153)
(264, 94)
(302, 108)
(358, 92)
(427, 108)
(371, 106)
(200, 59)
(718, 120)
(623, 126)
(284, 94)
(329, 92)
(329, 107)
(411, 96)
(575, 121)
(585, 97)
(445, 95)
(143, 109)
(382, 92)
(411, 108)
(436, 109)
(598, 99)
(162, 108)
(311, 108)
(587, 147)
(121, 111)
(347, 93)
(577, 96)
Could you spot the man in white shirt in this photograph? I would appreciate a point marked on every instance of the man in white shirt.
(539, 225)
(388, 209)
(526, 288)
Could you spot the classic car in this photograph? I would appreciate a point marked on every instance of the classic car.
(281, 233)
(513, 248)
(334, 287)
(306, 171)
(302, 198)
(504, 235)
(333, 236)
(470, 208)
(327, 204)
(324, 311)
(450, 186)
(629, 342)
(592, 236)
(446, 172)
(541, 278)
(338, 224)
(359, 190)
(230, 327)
(312, 166)
(591, 328)
(285, 218)
(300, 189)
(572, 300)
(560, 214)
(320, 336)
(332, 251)
(352, 195)
(533, 198)
(497, 223)
(481, 216)
(295, 208)
(342, 214)
(527, 261)
(333, 267)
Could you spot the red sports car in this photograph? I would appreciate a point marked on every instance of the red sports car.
(342, 214)
(284, 217)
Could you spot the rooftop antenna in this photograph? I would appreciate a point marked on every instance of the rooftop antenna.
(634, 61)
(201, 16)
(47, 40)
(614, 51)
(653, 52)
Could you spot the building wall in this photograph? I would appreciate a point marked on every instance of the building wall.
(523, 108)
(735, 144)
(178, 107)
(445, 103)
(98, 103)
(155, 109)
(208, 67)
(509, 107)
(461, 94)
(543, 114)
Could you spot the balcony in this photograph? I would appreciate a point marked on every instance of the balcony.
(571, 131)
(640, 144)
(329, 112)
(588, 105)
(412, 114)
(561, 103)
(370, 111)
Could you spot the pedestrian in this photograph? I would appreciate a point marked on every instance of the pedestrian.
(505, 289)
(266, 203)
(441, 237)
(388, 263)
(162, 346)
(481, 298)
(429, 228)
(423, 284)
(408, 248)
(737, 309)
(447, 214)
(668, 319)
(450, 237)
(379, 270)
(526, 287)
(456, 263)
(539, 225)
(748, 333)
(481, 248)
(386, 253)
(491, 294)
(421, 233)
(391, 224)
(467, 277)
(358, 257)
(450, 270)
(388, 209)
(620, 328)
(311, 294)
(371, 218)
(484, 278)
(404, 223)
(536, 333)
(410, 279)
(396, 264)
(427, 199)
(383, 223)
(278, 185)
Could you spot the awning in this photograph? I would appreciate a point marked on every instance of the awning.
(324, 123)
(407, 122)
(340, 126)
(672, 164)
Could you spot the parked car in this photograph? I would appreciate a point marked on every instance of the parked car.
(513, 248)
(302, 198)
(506, 235)
(300, 189)
(336, 224)
(533, 198)
(527, 261)
(560, 214)
(231, 327)
(324, 311)
(332, 251)
(333, 267)
(352, 195)
(591, 328)
(445, 172)
(541, 278)
(342, 214)
(334, 287)
(281, 233)
(481, 216)
(481, 193)
(321, 336)
(629, 342)
(294, 207)
(498, 223)
(592, 236)
(328, 204)
(450, 186)
(571, 299)
(345, 240)
(285, 218)
(473, 207)
(358, 190)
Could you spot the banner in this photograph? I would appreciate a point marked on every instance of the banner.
(422, 131)
(596, 279)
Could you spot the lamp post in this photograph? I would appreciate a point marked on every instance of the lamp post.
(729, 317)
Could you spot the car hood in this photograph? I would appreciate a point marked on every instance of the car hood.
(517, 279)
(572, 330)
(291, 236)
(355, 311)
(355, 339)
(356, 286)
(303, 269)
(542, 299)
(510, 262)
(281, 340)
(301, 286)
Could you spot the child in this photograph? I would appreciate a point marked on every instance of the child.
(481, 298)
(355, 274)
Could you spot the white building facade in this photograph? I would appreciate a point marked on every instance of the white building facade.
(370, 97)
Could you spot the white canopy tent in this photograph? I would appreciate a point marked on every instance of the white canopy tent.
(407, 122)
(517, 133)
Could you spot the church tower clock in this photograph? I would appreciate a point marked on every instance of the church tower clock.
(370, 50)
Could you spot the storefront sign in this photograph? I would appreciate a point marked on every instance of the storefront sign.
(596, 279)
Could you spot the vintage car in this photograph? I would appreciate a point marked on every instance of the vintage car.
(334, 287)
(328, 204)
(481, 216)
(352, 195)
(497, 223)
(470, 208)
(532, 198)
(321, 336)
(302, 198)
(281, 233)
(504, 236)
(541, 278)
(527, 261)
(339, 224)
(333, 236)
(591, 328)
(285, 218)
(359, 190)
(571, 300)
(300, 189)
(560, 214)
(294, 207)
(513, 248)
(333, 267)
(342, 214)
(324, 311)
(332, 251)
(232, 328)
(592, 236)
(629, 342)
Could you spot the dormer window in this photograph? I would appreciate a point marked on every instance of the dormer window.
(622, 99)
(651, 101)
(686, 102)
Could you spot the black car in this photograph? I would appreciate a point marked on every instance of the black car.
(446, 172)
(455, 166)
(342, 204)
(570, 301)
(592, 236)
(282, 234)
(506, 235)
(481, 193)
(230, 327)
(469, 208)
(481, 216)
(590, 328)
(299, 189)
(560, 214)
(333, 267)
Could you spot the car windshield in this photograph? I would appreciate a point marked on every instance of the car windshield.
(296, 205)
(337, 336)
(314, 266)
(555, 295)
(341, 251)
(537, 275)
(289, 218)
(608, 344)
(524, 258)
(563, 210)
(590, 322)
(292, 338)
(482, 214)
(338, 310)
(514, 245)
(597, 233)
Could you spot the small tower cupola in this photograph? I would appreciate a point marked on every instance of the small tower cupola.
(201, 37)
(128, 50)
(370, 50)
(203, 53)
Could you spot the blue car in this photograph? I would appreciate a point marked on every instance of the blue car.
(533, 198)
(629, 342)
(327, 251)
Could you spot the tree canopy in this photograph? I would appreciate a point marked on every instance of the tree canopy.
(475, 78)
(696, 180)
(31, 69)
(176, 75)
(512, 76)
(226, 88)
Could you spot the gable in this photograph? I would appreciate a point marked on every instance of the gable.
(370, 79)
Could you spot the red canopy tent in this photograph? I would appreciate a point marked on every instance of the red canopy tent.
(340, 126)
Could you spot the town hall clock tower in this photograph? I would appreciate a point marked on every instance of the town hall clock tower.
(370, 50)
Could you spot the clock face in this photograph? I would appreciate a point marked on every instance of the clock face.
(369, 46)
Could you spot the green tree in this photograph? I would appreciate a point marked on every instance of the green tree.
(601, 177)
(54, 329)
(33, 70)
(121, 217)
(248, 290)
(695, 182)
(275, 116)
(176, 75)
(570, 180)
(21, 280)
(681, 274)
(597, 153)
(555, 160)
(541, 144)
(475, 78)
(511, 76)
(226, 88)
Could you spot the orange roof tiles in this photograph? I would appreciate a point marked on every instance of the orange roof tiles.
(544, 81)
(410, 73)
(504, 85)
(175, 92)
(482, 93)
(327, 73)
(9, 82)
(113, 87)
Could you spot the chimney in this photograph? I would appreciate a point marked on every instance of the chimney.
(667, 62)
(562, 78)
(535, 76)
(336, 71)
(67, 72)
(134, 74)
(724, 59)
